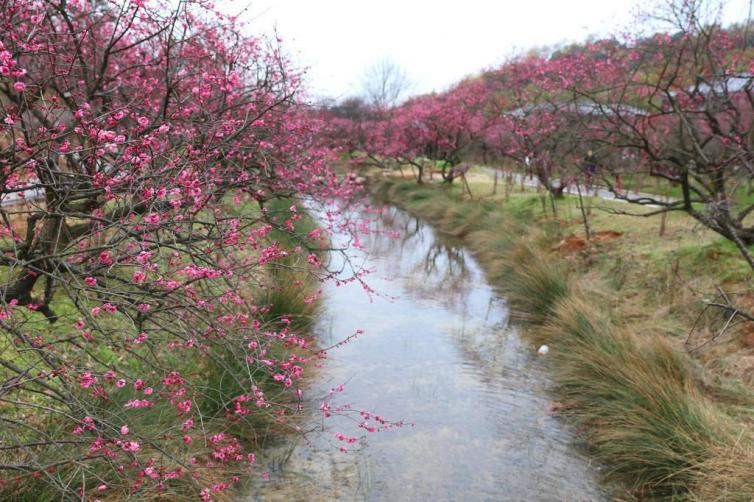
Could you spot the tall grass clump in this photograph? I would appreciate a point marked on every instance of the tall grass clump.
(535, 284)
(642, 410)
(727, 474)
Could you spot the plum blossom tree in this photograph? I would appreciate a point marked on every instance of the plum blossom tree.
(536, 122)
(149, 142)
(695, 91)
(431, 129)
(345, 125)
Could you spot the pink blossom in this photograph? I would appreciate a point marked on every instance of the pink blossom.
(87, 380)
(152, 218)
(184, 406)
(105, 258)
(132, 446)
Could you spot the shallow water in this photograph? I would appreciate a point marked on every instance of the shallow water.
(438, 351)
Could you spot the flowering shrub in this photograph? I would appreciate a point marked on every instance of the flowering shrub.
(150, 144)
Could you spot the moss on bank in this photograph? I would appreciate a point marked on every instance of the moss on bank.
(649, 417)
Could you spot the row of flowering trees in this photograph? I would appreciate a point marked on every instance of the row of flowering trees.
(675, 106)
(143, 145)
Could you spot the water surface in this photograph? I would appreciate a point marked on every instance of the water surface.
(438, 350)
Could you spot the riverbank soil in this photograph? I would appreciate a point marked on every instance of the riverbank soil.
(660, 383)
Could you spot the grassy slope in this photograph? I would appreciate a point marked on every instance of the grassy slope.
(666, 425)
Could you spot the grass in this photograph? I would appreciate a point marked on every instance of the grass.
(644, 417)
(664, 424)
(644, 183)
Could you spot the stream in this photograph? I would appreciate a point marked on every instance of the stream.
(437, 351)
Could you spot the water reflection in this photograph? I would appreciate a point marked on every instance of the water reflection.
(432, 263)
(438, 350)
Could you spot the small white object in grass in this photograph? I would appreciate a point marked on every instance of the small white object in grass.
(544, 349)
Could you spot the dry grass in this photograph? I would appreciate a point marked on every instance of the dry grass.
(727, 474)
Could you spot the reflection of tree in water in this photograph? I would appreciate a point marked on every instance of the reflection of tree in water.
(446, 261)
(432, 267)
(437, 268)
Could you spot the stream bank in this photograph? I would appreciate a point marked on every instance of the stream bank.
(637, 398)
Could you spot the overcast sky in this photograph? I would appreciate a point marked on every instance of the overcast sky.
(436, 42)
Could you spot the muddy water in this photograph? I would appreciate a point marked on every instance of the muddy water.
(438, 351)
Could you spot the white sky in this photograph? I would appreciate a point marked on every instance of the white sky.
(436, 42)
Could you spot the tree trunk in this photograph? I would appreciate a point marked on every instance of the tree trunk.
(466, 185)
(663, 220)
(584, 216)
